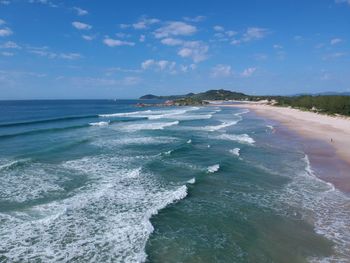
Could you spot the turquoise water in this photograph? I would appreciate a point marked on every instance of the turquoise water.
(104, 181)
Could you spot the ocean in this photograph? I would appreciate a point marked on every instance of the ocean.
(105, 181)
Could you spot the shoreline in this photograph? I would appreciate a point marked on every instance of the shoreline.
(325, 139)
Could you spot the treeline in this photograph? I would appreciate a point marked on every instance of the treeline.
(323, 104)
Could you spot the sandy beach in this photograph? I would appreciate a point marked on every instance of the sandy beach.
(328, 136)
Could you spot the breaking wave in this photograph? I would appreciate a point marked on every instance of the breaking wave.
(148, 126)
(235, 151)
(101, 123)
(214, 168)
(112, 212)
(223, 124)
(241, 138)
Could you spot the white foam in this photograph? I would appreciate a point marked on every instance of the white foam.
(214, 168)
(317, 202)
(270, 127)
(133, 140)
(168, 114)
(100, 123)
(241, 138)
(242, 112)
(189, 141)
(192, 181)
(168, 152)
(107, 219)
(30, 182)
(235, 151)
(148, 126)
(158, 114)
(190, 117)
(10, 164)
(223, 124)
(125, 114)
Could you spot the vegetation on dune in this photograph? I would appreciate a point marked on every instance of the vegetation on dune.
(322, 104)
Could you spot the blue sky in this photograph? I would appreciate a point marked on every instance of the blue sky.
(124, 49)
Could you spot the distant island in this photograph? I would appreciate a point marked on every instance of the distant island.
(328, 103)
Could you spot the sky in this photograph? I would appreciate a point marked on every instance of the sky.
(51, 49)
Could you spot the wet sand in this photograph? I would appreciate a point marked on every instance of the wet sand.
(325, 139)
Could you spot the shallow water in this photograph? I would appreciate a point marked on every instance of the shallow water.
(104, 181)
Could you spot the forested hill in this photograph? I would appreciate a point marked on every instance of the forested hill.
(208, 95)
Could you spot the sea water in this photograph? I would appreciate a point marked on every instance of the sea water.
(105, 181)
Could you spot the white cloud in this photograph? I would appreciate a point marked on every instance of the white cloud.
(196, 50)
(144, 23)
(44, 2)
(130, 81)
(334, 56)
(171, 41)
(112, 71)
(186, 68)
(124, 26)
(231, 33)
(248, 72)
(161, 65)
(223, 35)
(45, 52)
(320, 45)
(70, 56)
(81, 26)
(298, 38)
(10, 44)
(116, 42)
(260, 56)
(276, 46)
(147, 63)
(195, 19)
(218, 28)
(80, 11)
(342, 1)
(88, 38)
(7, 54)
(221, 71)
(122, 35)
(104, 82)
(252, 33)
(335, 41)
(142, 38)
(185, 52)
(219, 35)
(175, 28)
(4, 32)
